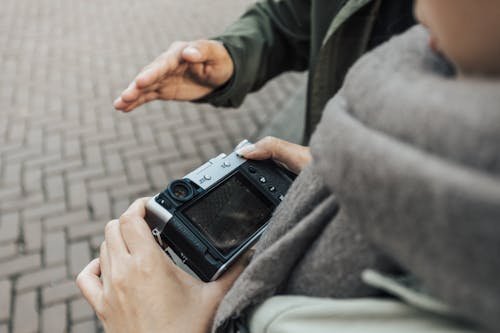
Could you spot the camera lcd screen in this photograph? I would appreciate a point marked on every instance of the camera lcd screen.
(231, 213)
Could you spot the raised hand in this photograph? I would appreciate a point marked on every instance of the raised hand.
(186, 71)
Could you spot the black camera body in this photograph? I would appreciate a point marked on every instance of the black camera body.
(216, 212)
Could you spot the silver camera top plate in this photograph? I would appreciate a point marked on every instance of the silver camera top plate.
(217, 168)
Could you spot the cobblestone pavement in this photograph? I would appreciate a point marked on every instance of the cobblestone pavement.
(68, 162)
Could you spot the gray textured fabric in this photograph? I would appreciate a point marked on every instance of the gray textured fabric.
(412, 156)
(299, 314)
(424, 149)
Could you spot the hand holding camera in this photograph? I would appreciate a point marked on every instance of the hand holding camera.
(135, 287)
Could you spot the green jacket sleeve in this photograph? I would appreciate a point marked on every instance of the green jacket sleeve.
(273, 36)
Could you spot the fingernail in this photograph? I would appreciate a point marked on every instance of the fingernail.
(192, 51)
(119, 99)
(245, 150)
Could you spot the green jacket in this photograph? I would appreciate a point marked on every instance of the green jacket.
(324, 36)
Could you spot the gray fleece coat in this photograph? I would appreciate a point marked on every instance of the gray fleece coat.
(405, 178)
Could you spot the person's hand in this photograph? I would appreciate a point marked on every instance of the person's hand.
(186, 71)
(135, 287)
(294, 157)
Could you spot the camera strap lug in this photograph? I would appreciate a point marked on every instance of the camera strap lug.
(157, 234)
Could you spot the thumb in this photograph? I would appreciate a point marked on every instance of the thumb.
(291, 155)
(203, 51)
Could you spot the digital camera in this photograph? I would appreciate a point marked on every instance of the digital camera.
(207, 219)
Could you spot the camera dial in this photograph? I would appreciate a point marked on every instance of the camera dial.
(181, 190)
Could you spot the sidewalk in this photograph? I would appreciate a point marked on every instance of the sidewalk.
(69, 162)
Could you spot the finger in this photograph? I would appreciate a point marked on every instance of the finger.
(293, 156)
(143, 99)
(119, 104)
(130, 94)
(203, 51)
(135, 230)
(90, 285)
(152, 73)
(105, 265)
(116, 247)
(138, 207)
(137, 234)
(255, 153)
(164, 64)
(269, 147)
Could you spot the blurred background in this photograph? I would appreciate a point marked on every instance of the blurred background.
(69, 162)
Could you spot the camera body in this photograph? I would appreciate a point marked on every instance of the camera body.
(216, 212)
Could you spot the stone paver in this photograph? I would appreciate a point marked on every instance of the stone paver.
(54, 319)
(69, 162)
(5, 298)
(25, 318)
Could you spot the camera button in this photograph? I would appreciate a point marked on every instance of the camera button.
(166, 204)
(251, 169)
(263, 180)
(226, 164)
(272, 188)
(207, 177)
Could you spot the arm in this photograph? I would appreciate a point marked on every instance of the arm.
(270, 38)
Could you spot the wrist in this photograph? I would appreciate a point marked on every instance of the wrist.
(221, 93)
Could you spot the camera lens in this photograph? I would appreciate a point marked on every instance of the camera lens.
(180, 190)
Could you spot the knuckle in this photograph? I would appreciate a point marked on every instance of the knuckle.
(126, 218)
(118, 279)
(109, 226)
(144, 267)
(137, 201)
(80, 280)
(269, 140)
(143, 201)
(102, 248)
(270, 143)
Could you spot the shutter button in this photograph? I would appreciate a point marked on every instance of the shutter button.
(207, 177)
